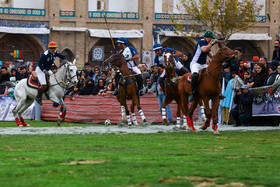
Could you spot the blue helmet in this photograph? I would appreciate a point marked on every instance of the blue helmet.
(157, 46)
(122, 40)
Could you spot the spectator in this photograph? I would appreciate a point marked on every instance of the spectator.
(151, 87)
(263, 60)
(54, 68)
(259, 76)
(88, 89)
(111, 87)
(4, 77)
(272, 73)
(110, 74)
(240, 55)
(242, 112)
(100, 89)
(88, 70)
(82, 79)
(74, 91)
(96, 76)
(276, 51)
(278, 75)
(146, 74)
(23, 72)
(105, 78)
(241, 69)
(186, 60)
(160, 93)
(16, 74)
(228, 96)
(248, 77)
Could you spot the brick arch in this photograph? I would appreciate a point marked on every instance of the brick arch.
(108, 49)
(69, 55)
(31, 49)
(179, 43)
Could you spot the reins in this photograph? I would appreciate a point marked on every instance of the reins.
(59, 82)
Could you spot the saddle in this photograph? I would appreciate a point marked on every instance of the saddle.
(189, 78)
(32, 80)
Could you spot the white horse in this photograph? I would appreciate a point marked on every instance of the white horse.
(26, 95)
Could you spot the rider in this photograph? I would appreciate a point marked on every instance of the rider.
(159, 59)
(44, 66)
(201, 51)
(130, 54)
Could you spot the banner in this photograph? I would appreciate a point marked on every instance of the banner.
(7, 105)
(266, 99)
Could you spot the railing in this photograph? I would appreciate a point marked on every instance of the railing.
(67, 13)
(166, 16)
(23, 11)
(113, 15)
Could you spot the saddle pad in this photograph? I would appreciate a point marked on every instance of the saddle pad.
(32, 83)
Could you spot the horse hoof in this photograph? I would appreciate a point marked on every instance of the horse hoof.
(176, 128)
(136, 124)
(216, 133)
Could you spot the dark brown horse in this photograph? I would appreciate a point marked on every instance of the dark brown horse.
(127, 88)
(209, 88)
(171, 90)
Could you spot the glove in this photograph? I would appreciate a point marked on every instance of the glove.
(45, 71)
(214, 42)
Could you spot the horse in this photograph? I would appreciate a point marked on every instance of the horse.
(172, 93)
(25, 95)
(127, 89)
(208, 88)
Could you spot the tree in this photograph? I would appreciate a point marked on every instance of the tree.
(221, 16)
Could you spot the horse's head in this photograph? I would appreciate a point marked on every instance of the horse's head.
(169, 61)
(224, 53)
(116, 59)
(71, 72)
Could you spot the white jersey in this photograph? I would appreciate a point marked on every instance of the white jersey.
(128, 53)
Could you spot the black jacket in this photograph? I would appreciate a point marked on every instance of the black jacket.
(270, 78)
(244, 102)
(47, 59)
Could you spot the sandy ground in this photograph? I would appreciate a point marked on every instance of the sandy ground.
(118, 129)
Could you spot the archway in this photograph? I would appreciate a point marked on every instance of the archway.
(181, 44)
(68, 54)
(249, 48)
(30, 50)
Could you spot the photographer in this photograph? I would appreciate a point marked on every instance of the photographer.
(242, 112)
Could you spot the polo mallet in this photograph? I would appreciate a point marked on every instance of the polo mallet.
(104, 15)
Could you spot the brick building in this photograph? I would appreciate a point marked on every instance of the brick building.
(79, 29)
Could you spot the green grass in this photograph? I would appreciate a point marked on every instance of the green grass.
(162, 159)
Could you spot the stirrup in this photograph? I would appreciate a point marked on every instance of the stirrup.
(116, 92)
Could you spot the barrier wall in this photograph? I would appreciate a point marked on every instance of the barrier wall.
(96, 109)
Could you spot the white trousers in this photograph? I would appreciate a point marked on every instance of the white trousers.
(196, 67)
(41, 75)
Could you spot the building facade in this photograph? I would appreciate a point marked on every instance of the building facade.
(80, 28)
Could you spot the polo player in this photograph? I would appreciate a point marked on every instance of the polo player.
(202, 49)
(44, 66)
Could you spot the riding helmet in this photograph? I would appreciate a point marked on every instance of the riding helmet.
(52, 45)
(122, 40)
(209, 34)
(157, 46)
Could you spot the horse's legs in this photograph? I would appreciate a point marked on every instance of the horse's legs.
(208, 114)
(132, 106)
(26, 104)
(202, 111)
(185, 109)
(215, 105)
(18, 107)
(123, 114)
(193, 107)
(166, 101)
(62, 112)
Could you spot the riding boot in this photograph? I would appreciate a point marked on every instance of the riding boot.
(193, 86)
(40, 93)
(184, 70)
(161, 83)
(117, 77)
(140, 84)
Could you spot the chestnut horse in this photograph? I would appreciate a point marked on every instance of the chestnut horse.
(209, 88)
(172, 93)
(127, 88)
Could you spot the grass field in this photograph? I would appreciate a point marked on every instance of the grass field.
(162, 159)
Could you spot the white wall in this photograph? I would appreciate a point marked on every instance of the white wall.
(262, 2)
(116, 5)
(40, 4)
(158, 6)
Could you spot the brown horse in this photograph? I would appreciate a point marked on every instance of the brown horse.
(171, 90)
(209, 88)
(172, 93)
(127, 88)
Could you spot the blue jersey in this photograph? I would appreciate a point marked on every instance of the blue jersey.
(160, 59)
(128, 53)
(47, 59)
(200, 56)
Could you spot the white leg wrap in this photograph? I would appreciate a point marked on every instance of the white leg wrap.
(184, 120)
(142, 115)
(134, 119)
(163, 113)
(178, 121)
(128, 120)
